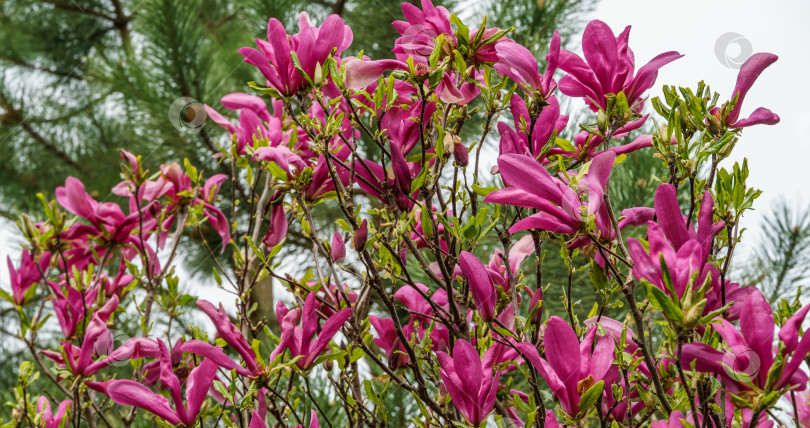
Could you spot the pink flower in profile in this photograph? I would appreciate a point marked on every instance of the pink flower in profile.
(50, 419)
(469, 381)
(254, 120)
(749, 72)
(299, 339)
(547, 124)
(107, 220)
(517, 62)
(749, 357)
(571, 367)
(608, 68)
(229, 333)
(186, 409)
(313, 46)
(684, 249)
(388, 339)
(98, 340)
(29, 273)
(560, 208)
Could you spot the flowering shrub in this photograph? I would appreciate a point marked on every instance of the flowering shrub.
(388, 143)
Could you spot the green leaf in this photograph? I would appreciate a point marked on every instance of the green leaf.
(663, 303)
(590, 396)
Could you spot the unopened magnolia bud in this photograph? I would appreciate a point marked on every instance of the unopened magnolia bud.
(278, 227)
(693, 314)
(460, 154)
(27, 227)
(360, 236)
(601, 121)
(338, 248)
(318, 78)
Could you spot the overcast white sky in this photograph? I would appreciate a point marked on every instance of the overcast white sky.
(777, 155)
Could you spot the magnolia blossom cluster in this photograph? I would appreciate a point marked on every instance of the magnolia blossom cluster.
(466, 339)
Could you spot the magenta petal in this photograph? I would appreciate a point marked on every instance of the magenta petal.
(480, 284)
(332, 325)
(199, 381)
(669, 215)
(749, 72)
(598, 175)
(564, 357)
(760, 116)
(527, 174)
(601, 52)
(757, 325)
(130, 393)
(789, 334)
(214, 354)
(706, 358)
(544, 221)
(467, 364)
(360, 74)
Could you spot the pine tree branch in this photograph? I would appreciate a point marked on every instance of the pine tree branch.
(21, 63)
(72, 7)
(13, 116)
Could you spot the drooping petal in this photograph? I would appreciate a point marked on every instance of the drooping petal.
(130, 393)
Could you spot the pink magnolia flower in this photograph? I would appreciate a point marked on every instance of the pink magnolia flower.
(469, 381)
(420, 29)
(560, 208)
(98, 340)
(29, 273)
(299, 338)
(571, 367)
(548, 123)
(254, 120)
(749, 72)
(107, 220)
(182, 188)
(313, 46)
(46, 415)
(230, 334)
(388, 339)
(749, 355)
(69, 305)
(608, 68)
(186, 409)
(517, 62)
(684, 249)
